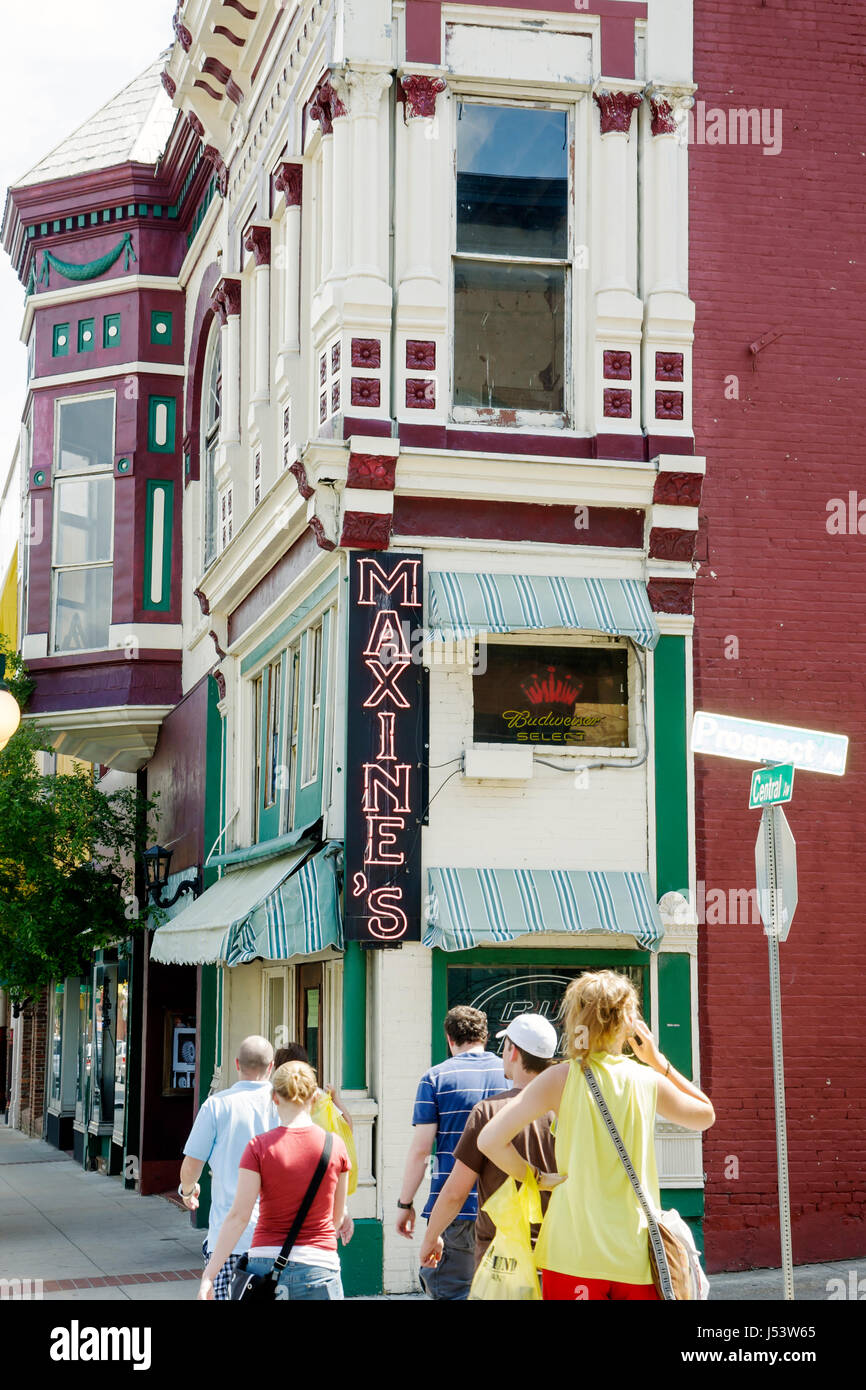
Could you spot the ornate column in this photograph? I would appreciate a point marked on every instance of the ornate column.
(226, 300)
(290, 181)
(321, 111)
(617, 251)
(258, 240)
(369, 188)
(329, 109)
(669, 313)
(420, 93)
(668, 108)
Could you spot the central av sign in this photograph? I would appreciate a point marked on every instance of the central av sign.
(386, 753)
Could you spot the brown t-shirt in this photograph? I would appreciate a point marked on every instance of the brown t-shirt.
(535, 1144)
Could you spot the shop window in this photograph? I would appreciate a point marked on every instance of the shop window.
(310, 1013)
(160, 328)
(503, 991)
(511, 265)
(293, 677)
(270, 774)
(60, 340)
(179, 1053)
(83, 524)
(55, 1080)
(160, 424)
(552, 696)
(111, 331)
(211, 411)
(86, 335)
(84, 1057)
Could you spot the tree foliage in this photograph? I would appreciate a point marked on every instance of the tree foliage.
(67, 867)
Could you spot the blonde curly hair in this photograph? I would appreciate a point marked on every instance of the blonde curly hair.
(294, 1082)
(596, 1008)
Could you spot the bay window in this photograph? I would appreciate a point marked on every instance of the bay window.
(512, 260)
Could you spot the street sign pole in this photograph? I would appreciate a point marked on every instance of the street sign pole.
(771, 818)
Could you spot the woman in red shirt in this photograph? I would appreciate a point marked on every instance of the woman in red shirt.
(276, 1170)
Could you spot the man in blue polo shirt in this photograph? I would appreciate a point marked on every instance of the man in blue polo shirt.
(446, 1094)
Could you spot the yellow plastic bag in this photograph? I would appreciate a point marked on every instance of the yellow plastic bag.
(507, 1271)
(326, 1115)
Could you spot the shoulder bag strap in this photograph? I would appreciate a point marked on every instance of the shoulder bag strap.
(315, 1183)
(654, 1233)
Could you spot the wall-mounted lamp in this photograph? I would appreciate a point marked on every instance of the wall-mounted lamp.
(157, 866)
(10, 712)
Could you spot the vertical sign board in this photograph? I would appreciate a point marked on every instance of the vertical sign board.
(386, 754)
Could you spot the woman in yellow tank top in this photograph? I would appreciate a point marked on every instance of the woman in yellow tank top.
(593, 1243)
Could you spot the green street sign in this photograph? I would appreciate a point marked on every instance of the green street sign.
(770, 786)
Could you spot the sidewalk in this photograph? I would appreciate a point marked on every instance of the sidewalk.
(86, 1237)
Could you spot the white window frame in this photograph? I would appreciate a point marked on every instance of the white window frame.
(62, 475)
(489, 415)
(310, 750)
(209, 435)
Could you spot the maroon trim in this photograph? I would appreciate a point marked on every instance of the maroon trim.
(227, 34)
(169, 84)
(518, 521)
(663, 122)
(616, 109)
(617, 365)
(420, 355)
(378, 429)
(101, 680)
(299, 556)
(300, 475)
(678, 489)
(366, 352)
(366, 392)
(366, 530)
(419, 93)
(241, 9)
(671, 595)
(672, 543)
(323, 540)
(258, 240)
(289, 179)
(201, 328)
(669, 366)
(669, 444)
(617, 402)
(266, 45)
(669, 405)
(374, 471)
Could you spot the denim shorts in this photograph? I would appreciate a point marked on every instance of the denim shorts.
(301, 1282)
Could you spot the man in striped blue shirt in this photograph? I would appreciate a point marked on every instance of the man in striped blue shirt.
(446, 1094)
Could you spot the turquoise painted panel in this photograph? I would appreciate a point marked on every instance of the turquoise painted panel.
(161, 412)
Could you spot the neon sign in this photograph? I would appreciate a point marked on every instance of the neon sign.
(386, 755)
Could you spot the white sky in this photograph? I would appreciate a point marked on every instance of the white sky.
(64, 61)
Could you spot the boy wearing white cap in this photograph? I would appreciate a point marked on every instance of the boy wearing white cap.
(529, 1047)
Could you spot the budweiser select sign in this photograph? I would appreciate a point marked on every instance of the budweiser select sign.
(386, 755)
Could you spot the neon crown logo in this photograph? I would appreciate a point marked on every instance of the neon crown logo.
(552, 690)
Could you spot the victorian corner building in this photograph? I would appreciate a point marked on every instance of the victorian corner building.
(362, 496)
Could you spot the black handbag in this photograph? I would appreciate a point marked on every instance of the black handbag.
(247, 1287)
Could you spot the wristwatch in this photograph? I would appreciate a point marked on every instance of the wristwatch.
(181, 1193)
(406, 1206)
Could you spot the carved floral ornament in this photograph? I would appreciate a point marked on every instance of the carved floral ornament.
(420, 93)
(667, 107)
(226, 299)
(327, 106)
(258, 240)
(616, 109)
(290, 181)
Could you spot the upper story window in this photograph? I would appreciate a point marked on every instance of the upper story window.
(512, 261)
(211, 410)
(83, 540)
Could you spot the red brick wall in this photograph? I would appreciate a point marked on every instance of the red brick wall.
(777, 244)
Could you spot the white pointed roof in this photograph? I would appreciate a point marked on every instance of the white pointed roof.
(134, 125)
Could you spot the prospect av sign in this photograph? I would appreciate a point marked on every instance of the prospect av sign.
(756, 742)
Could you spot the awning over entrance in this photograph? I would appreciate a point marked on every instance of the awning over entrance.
(266, 905)
(461, 605)
(474, 907)
(301, 917)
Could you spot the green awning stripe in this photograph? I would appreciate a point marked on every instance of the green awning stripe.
(471, 907)
(300, 917)
(464, 605)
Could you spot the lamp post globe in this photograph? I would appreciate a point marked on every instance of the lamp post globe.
(10, 716)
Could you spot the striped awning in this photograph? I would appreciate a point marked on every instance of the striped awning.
(284, 907)
(300, 917)
(476, 907)
(462, 605)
